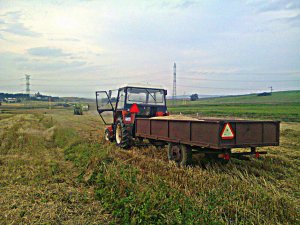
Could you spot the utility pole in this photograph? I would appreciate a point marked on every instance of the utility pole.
(184, 98)
(27, 77)
(49, 102)
(174, 83)
(26, 102)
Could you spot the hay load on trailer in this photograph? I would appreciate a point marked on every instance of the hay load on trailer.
(140, 112)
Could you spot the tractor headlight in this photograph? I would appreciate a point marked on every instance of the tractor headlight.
(128, 119)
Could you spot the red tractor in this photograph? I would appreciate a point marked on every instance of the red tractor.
(131, 114)
(131, 102)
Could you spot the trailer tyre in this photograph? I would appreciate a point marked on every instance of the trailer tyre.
(180, 154)
(123, 138)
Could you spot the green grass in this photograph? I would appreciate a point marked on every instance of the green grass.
(283, 106)
(139, 186)
(276, 97)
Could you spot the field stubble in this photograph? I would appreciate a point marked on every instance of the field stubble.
(57, 167)
(37, 185)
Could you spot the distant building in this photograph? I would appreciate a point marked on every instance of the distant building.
(10, 100)
(18, 96)
(23, 97)
(194, 97)
(39, 97)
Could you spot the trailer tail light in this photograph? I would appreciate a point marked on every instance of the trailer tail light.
(134, 108)
(159, 114)
(226, 156)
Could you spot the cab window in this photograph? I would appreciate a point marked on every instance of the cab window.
(121, 99)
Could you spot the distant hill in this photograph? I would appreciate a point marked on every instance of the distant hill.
(76, 99)
(276, 97)
(188, 96)
(283, 106)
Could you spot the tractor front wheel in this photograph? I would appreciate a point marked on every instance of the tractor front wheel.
(123, 138)
(180, 154)
(107, 135)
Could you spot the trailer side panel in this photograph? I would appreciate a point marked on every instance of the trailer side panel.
(207, 133)
(253, 134)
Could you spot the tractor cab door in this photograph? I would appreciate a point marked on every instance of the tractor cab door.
(105, 107)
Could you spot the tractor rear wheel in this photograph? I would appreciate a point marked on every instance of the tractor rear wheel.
(123, 137)
(180, 154)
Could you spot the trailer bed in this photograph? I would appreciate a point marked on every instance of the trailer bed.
(207, 133)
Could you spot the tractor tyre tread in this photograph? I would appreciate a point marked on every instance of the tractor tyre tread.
(108, 133)
(126, 137)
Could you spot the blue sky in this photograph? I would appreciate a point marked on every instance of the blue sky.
(220, 47)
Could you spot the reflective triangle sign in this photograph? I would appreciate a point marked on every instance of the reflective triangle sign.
(227, 132)
(134, 108)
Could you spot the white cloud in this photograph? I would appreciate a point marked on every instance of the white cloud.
(97, 40)
(47, 52)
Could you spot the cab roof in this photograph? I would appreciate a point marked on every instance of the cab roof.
(143, 86)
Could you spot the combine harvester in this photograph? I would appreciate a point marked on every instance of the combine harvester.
(140, 112)
(77, 109)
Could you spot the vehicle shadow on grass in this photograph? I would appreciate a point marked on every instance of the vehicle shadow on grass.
(269, 168)
(204, 162)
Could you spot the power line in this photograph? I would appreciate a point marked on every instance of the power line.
(243, 73)
(10, 79)
(29, 83)
(181, 78)
(107, 77)
(259, 81)
(104, 77)
(84, 80)
(231, 88)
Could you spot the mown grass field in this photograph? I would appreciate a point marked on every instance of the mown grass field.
(56, 168)
(284, 106)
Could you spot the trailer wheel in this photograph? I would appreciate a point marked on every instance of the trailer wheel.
(123, 138)
(181, 154)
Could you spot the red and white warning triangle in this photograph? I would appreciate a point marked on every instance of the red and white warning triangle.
(227, 132)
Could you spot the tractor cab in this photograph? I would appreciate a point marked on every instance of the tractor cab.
(130, 102)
